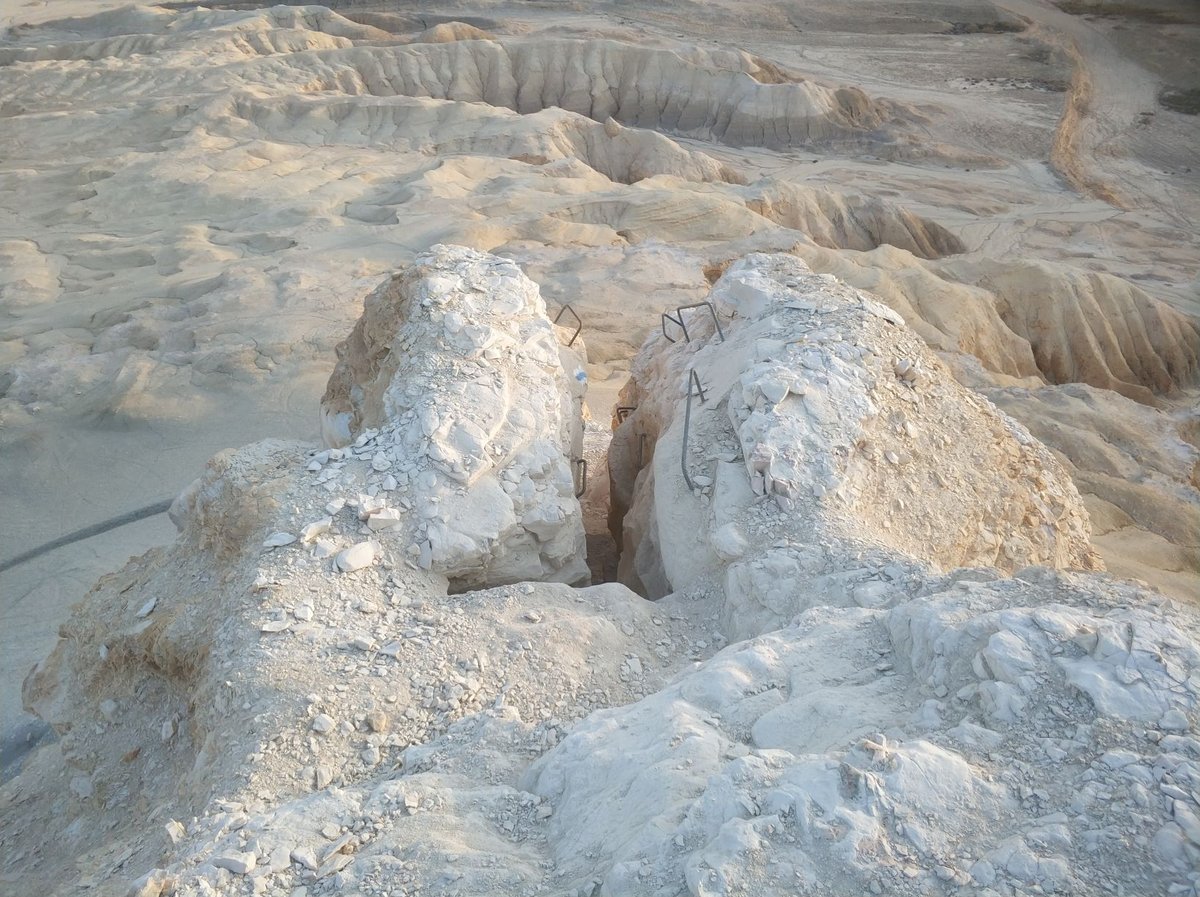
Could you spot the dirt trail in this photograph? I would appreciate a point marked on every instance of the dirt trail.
(1110, 96)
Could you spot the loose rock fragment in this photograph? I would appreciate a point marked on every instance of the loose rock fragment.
(316, 528)
(387, 518)
(377, 721)
(356, 557)
(237, 863)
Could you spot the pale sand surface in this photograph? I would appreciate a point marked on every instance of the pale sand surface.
(189, 220)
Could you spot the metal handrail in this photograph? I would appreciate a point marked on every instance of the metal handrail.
(581, 463)
(693, 377)
(578, 321)
(677, 319)
(623, 411)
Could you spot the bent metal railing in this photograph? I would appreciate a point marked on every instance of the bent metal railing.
(693, 381)
(678, 320)
(578, 322)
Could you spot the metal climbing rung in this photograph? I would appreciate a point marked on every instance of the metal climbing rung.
(578, 322)
(581, 465)
(623, 411)
(693, 380)
(678, 320)
(641, 450)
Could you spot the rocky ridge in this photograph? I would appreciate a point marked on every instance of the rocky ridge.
(819, 398)
(325, 718)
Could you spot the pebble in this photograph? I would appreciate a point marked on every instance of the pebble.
(148, 607)
(356, 557)
(316, 528)
(322, 723)
(306, 858)
(381, 462)
(322, 777)
(906, 370)
(377, 721)
(278, 540)
(152, 884)
(275, 626)
(237, 863)
(386, 518)
(280, 859)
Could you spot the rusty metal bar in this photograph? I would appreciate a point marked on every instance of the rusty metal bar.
(678, 320)
(693, 378)
(581, 464)
(667, 316)
(578, 321)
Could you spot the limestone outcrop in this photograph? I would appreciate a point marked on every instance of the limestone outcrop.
(637, 86)
(985, 735)
(291, 698)
(453, 383)
(825, 422)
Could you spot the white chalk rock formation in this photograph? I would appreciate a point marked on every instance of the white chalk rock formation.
(1098, 329)
(824, 422)
(287, 700)
(1027, 735)
(301, 574)
(707, 94)
(453, 383)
